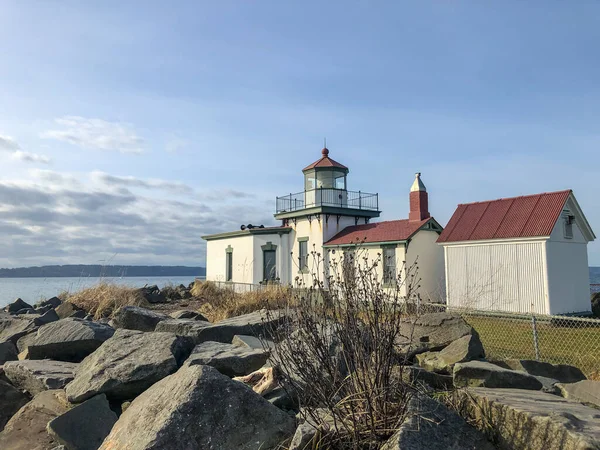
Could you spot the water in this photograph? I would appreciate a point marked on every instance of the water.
(594, 275)
(33, 289)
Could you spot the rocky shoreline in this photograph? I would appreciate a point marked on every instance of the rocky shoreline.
(149, 380)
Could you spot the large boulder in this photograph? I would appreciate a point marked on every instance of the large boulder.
(128, 364)
(8, 352)
(199, 408)
(67, 309)
(11, 329)
(561, 372)
(185, 314)
(37, 376)
(85, 426)
(467, 348)
(420, 376)
(533, 420)
(17, 306)
(252, 342)
(11, 400)
(485, 374)
(26, 430)
(47, 317)
(136, 318)
(586, 391)
(68, 339)
(227, 358)
(431, 425)
(430, 332)
(53, 302)
(152, 294)
(258, 323)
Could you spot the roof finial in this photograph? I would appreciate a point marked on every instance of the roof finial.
(325, 150)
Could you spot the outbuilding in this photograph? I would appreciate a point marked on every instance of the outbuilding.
(524, 255)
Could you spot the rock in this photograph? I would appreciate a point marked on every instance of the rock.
(11, 400)
(68, 339)
(283, 398)
(66, 309)
(24, 311)
(413, 374)
(3, 376)
(37, 376)
(585, 391)
(26, 430)
(228, 359)
(431, 426)
(258, 323)
(561, 372)
(185, 314)
(304, 437)
(152, 294)
(53, 302)
(128, 364)
(521, 419)
(89, 317)
(12, 329)
(252, 342)
(25, 341)
(81, 314)
(549, 385)
(485, 374)
(48, 317)
(85, 426)
(214, 411)
(136, 318)
(17, 305)
(8, 352)
(467, 348)
(43, 309)
(430, 332)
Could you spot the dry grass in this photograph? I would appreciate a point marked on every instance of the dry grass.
(222, 303)
(103, 299)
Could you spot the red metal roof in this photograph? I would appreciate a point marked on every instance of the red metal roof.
(517, 217)
(392, 230)
(325, 161)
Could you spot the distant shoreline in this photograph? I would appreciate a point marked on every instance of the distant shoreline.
(98, 271)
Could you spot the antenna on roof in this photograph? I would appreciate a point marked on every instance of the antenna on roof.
(324, 142)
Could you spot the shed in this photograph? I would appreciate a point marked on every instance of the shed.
(524, 254)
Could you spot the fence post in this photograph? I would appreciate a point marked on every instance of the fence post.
(536, 345)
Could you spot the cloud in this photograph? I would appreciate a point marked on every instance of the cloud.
(169, 186)
(96, 134)
(11, 146)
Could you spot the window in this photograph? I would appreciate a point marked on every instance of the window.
(269, 265)
(389, 265)
(568, 223)
(303, 254)
(229, 264)
(340, 182)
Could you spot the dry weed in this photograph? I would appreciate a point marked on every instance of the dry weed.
(103, 299)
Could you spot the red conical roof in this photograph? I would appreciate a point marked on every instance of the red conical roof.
(325, 161)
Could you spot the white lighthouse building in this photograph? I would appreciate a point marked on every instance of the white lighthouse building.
(326, 215)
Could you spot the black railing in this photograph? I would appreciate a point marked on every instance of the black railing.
(339, 198)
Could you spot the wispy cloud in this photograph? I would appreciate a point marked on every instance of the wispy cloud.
(96, 134)
(129, 181)
(8, 144)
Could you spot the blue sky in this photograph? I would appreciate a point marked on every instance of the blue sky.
(130, 129)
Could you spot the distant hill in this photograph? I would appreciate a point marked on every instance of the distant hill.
(84, 270)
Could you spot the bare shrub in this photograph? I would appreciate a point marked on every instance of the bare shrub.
(103, 299)
(336, 348)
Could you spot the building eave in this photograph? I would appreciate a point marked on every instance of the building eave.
(351, 212)
(494, 241)
(365, 244)
(247, 232)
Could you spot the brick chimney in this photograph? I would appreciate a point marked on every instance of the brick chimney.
(419, 207)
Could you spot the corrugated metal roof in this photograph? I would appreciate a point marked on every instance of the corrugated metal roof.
(392, 230)
(517, 217)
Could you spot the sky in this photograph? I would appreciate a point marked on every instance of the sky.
(128, 130)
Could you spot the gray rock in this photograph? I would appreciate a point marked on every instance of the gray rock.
(561, 372)
(549, 385)
(48, 317)
(25, 341)
(413, 374)
(304, 437)
(85, 426)
(26, 430)
(430, 332)
(53, 302)
(152, 294)
(215, 412)
(17, 305)
(285, 399)
(11, 329)
(532, 420)
(185, 314)
(432, 426)
(585, 391)
(24, 311)
(66, 309)
(128, 364)
(89, 317)
(227, 358)
(252, 342)
(11, 400)
(258, 323)
(68, 340)
(38, 376)
(467, 348)
(43, 309)
(81, 314)
(485, 374)
(136, 318)
(8, 352)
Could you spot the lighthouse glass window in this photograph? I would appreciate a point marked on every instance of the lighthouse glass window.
(389, 265)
